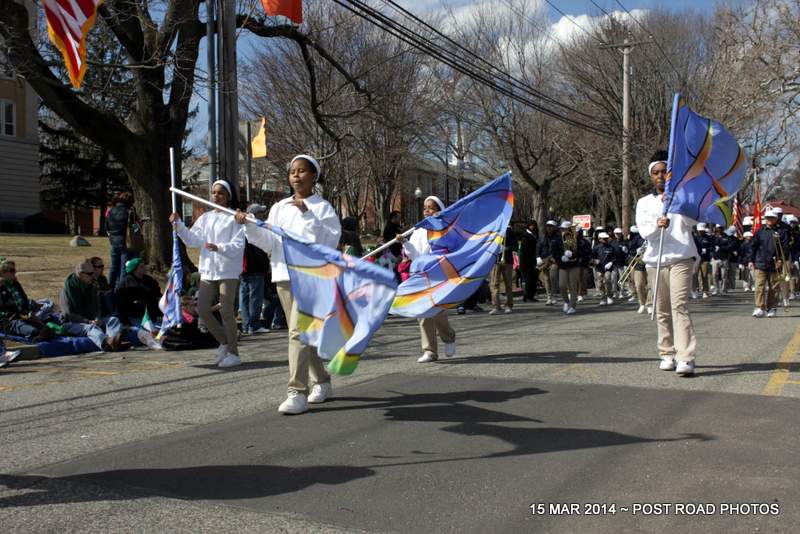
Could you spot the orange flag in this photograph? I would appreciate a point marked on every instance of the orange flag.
(293, 9)
(68, 23)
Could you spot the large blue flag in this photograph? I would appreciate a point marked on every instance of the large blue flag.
(341, 300)
(466, 239)
(705, 168)
(170, 303)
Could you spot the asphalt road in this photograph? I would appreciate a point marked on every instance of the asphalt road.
(568, 414)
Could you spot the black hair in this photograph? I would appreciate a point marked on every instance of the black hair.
(659, 155)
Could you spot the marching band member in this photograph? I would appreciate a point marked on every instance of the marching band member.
(766, 260)
(221, 243)
(430, 327)
(309, 216)
(546, 262)
(676, 338)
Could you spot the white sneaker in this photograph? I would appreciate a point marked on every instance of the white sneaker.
(262, 330)
(685, 369)
(494, 311)
(565, 307)
(758, 312)
(705, 295)
(9, 356)
(450, 349)
(641, 309)
(603, 302)
(694, 295)
(570, 310)
(427, 357)
(772, 313)
(222, 351)
(649, 310)
(785, 303)
(230, 360)
(548, 302)
(295, 403)
(667, 364)
(609, 301)
(580, 298)
(632, 299)
(320, 393)
(147, 339)
(508, 309)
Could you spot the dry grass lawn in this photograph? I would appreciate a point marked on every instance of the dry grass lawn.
(44, 261)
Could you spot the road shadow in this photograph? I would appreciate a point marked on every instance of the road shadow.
(213, 482)
(541, 358)
(713, 370)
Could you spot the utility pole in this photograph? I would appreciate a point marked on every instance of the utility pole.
(626, 47)
(211, 141)
(228, 97)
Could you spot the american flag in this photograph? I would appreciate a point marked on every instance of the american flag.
(738, 215)
(68, 23)
(293, 9)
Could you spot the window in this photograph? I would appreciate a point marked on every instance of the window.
(8, 124)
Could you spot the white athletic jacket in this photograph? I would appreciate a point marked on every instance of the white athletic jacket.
(678, 241)
(220, 229)
(318, 224)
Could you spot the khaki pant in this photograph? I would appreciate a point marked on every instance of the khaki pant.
(429, 327)
(549, 277)
(701, 278)
(227, 290)
(502, 273)
(304, 363)
(767, 286)
(582, 274)
(640, 283)
(676, 337)
(605, 284)
(568, 285)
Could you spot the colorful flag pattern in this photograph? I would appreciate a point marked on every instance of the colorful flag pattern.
(466, 239)
(68, 23)
(341, 300)
(170, 303)
(705, 168)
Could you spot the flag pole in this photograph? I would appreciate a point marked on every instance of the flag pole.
(172, 179)
(210, 204)
(658, 274)
(390, 243)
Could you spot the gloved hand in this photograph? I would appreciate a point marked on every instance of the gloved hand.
(625, 250)
(703, 251)
(565, 258)
(641, 249)
(539, 262)
(735, 253)
(609, 265)
(716, 249)
(741, 267)
(568, 253)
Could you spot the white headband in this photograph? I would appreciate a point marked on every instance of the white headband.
(653, 164)
(224, 184)
(437, 200)
(309, 159)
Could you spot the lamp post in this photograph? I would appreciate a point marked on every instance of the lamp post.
(418, 197)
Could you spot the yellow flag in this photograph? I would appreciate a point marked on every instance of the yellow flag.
(258, 145)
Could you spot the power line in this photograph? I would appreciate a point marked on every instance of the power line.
(519, 83)
(455, 61)
(650, 35)
(584, 30)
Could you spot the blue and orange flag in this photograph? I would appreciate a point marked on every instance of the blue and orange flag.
(341, 300)
(705, 168)
(466, 240)
(170, 303)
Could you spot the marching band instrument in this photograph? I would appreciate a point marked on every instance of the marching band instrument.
(785, 268)
(626, 274)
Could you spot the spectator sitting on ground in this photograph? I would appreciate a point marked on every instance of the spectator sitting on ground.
(15, 311)
(138, 292)
(107, 302)
(80, 305)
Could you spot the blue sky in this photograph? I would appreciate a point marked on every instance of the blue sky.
(573, 8)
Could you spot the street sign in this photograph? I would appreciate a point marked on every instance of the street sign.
(583, 221)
